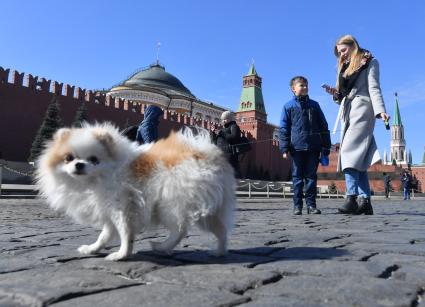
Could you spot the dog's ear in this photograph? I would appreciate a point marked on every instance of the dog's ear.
(62, 134)
(106, 140)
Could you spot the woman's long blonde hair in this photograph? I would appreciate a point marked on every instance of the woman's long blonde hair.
(355, 58)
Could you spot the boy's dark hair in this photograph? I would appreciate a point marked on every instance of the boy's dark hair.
(297, 79)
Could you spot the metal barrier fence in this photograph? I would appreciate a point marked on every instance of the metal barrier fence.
(249, 188)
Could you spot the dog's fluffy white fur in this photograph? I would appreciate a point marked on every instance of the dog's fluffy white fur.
(99, 178)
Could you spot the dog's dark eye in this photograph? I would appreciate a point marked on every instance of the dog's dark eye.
(93, 160)
(69, 158)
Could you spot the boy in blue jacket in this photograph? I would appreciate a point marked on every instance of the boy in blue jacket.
(304, 135)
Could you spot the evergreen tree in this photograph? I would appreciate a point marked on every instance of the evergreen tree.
(80, 115)
(50, 124)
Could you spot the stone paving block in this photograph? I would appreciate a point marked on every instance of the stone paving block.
(403, 248)
(348, 291)
(293, 301)
(47, 284)
(310, 252)
(324, 268)
(134, 268)
(230, 258)
(395, 258)
(157, 295)
(231, 278)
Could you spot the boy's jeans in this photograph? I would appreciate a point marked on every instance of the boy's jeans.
(357, 183)
(304, 168)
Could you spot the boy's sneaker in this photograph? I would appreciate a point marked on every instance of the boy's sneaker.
(313, 210)
(297, 211)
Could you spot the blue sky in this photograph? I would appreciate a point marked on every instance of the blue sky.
(210, 45)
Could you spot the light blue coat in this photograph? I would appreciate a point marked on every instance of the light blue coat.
(362, 105)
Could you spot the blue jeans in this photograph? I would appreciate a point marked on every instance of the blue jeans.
(357, 183)
(304, 170)
(406, 193)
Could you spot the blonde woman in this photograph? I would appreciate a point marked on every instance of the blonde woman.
(359, 94)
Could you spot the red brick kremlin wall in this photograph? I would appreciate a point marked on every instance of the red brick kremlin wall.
(267, 159)
(419, 173)
(24, 100)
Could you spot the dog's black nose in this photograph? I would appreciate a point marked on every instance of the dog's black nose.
(79, 166)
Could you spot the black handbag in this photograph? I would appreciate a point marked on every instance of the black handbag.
(243, 146)
(130, 132)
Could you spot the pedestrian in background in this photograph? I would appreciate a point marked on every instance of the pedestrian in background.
(406, 181)
(387, 185)
(227, 138)
(148, 128)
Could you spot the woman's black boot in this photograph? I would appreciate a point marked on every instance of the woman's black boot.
(365, 207)
(350, 206)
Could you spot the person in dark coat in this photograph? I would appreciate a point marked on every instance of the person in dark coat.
(406, 181)
(227, 138)
(304, 135)
(148, 128)
(387, 187)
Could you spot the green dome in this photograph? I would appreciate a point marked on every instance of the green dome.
(155, 76)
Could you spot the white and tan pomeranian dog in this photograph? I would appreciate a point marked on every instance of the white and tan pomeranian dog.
(98, 177)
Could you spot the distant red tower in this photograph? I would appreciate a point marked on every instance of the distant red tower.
(251, 117)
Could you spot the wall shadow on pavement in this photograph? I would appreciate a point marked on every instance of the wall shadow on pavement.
(248, 256)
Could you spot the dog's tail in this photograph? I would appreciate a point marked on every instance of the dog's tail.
(197, 137)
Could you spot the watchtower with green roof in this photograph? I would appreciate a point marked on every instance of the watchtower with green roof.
(251, 115)
(252, 97)
(398, 143)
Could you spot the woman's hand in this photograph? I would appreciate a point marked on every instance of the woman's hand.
(285, 155)
(329, 89)
(384, 116)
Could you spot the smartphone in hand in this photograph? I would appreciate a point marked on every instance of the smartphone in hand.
(329, 89)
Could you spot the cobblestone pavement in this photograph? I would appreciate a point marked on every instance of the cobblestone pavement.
(275, 259)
